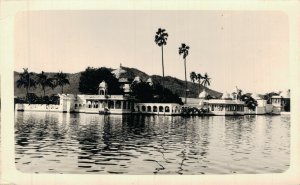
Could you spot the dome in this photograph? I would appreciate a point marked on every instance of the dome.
(255, 96)
(149, 81)
(137, 79)
(226, 96)
(126, 88)
(118, 72)
(103, 84)
(286, 94)
(203, 94)
(201, 103)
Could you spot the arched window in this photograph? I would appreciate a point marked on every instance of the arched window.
(128, 105)
(101, 104)
(89, 104)
(161, 109)
(111, 104)
(143, 108)
(75, 105)
(118, 104)
(154, 109)
(176, 109)
(148, 108)
(167, 109)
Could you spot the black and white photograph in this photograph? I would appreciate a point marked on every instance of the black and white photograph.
(152, 92)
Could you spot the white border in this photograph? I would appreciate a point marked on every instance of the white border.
(8, 10)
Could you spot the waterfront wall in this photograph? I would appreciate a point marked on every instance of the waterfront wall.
(122, 105)
(39, 107)
(157, 108)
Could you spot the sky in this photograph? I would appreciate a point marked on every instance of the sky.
(248, 49)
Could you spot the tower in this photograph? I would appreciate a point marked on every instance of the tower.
(102, 88)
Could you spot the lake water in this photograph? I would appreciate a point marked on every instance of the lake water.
(133, 144)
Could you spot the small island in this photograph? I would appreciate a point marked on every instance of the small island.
(107, 91)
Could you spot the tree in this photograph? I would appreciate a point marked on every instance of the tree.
(161, 40)
(193, 76)
(184, 50)
(199, 78)
(91, 78)
(238, 93)
(268, 96)
(154, 93)
(142, 91)
(250, 102)
(61, 79)
(26, 80)
(206, 80)
(44, 81)
(165, 95)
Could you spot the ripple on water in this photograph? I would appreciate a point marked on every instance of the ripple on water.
(83, 143)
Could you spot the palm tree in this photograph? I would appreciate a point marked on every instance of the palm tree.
(199, 78)
(61, 79)
(206, 80)
(184, 50)
(44, 81)
(161, 40)
(26, 80)
(193, 76)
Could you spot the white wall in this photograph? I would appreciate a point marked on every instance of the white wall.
(40, 107)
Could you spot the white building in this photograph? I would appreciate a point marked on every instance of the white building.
(262, 106)
(281, 103)
(224, 106)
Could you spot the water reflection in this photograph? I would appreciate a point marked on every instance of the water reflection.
(116, 144)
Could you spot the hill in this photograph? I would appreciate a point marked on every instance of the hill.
(174, 84)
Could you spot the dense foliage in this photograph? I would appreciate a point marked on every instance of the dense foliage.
(268, 96)
(30, 80)
(250, 102)
(92, 77)
(26, 80)
(32, 98)
(61, 79)
(144, 92)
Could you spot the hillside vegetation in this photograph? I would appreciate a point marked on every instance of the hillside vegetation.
(175, 85)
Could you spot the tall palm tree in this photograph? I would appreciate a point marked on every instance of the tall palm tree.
(199, 78)
(206, 80)
(44, 81)
(61, 79)
(193, 76)
(184, 50)
(161, 40)
(26, 80)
